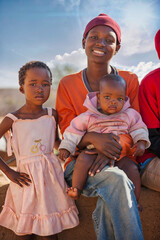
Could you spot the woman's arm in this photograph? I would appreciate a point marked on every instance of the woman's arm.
(64, 107)
(5, 125)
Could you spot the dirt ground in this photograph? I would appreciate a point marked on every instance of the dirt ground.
(150, 217)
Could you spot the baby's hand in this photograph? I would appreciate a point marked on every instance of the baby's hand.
(18, 178)
(140, 148)
(63, 154)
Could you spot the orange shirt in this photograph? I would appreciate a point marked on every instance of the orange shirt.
(72, 92)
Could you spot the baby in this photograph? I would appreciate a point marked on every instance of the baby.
(108, 112)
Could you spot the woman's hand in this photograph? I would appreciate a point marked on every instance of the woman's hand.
(100, 162)
(18, 178)
(106, 143)
(107, 147)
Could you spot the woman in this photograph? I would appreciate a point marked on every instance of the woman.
(115, 192)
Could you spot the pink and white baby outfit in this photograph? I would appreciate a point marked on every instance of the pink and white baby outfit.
(127, 121)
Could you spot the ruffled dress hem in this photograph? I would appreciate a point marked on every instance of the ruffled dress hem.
(39, 225)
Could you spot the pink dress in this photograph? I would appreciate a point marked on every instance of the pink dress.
(43, 208)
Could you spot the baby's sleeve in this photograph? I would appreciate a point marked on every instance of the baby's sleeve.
(138, 130)
(74, 133)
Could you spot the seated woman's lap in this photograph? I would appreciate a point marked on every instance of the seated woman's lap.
(109, 177)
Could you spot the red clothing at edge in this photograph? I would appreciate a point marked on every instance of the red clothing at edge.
(149, 100)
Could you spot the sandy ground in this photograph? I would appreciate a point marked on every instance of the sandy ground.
(150, 217)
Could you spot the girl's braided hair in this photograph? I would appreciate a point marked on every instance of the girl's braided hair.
(29, 65)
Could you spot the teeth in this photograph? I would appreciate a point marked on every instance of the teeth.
(99, 52)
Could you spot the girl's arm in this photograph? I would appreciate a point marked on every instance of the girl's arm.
(5, 125)
(18, 178)
(57, 139)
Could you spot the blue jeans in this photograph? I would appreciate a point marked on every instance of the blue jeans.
(116, 215)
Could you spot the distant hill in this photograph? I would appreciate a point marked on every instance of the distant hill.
(11, 99)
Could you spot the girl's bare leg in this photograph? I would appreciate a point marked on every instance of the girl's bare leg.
(80, 174)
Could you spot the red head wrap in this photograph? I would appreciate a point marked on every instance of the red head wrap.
(157, 42)
(105, 20)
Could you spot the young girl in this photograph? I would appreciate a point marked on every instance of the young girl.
(36, 201)
(108, 112)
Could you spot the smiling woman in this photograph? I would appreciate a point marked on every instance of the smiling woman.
(101, 41)
(101, 44)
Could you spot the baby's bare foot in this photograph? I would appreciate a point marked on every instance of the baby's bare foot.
(74, 193)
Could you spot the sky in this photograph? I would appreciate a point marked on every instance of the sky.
(51, 31)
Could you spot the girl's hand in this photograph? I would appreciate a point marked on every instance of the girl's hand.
(100, 162)
(63, 154)
(140, 148)
(18, 178)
